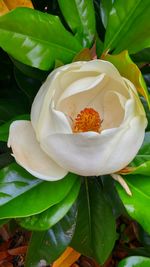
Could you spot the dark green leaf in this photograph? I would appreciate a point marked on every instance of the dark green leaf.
(4, 128)
(95, 232)
(2, 222)
(105, 7)
(5, 159)
(10, 108)
(51, 216)
(142, 56)
(128, 26)
(80, 17)
(135, 261)
(144, 238)
(36, 39)
(138, 204)
(22, 195)
(49, 245)
(142, 160)
(28, 85)
(29, 71)
(146, 107)
(112, 196)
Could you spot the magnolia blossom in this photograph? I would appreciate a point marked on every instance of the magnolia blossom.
(85, 119)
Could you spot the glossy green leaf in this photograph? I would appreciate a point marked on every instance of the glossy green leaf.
(51, 216)
(22, 195)
(4, 128)
(36, 39)
(135, 261)
(49, 245)
(129, 70)
(80, 17)
(138, 204)
(105, 7)
(128, 26)
(141, 162)
(95, 231)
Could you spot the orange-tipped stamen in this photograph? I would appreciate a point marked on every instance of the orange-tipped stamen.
(87, 120)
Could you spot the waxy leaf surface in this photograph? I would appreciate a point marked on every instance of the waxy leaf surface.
(138, 204)
(49, 245)
(80, 17)
(22, 195)
(135, 261)
(51, 216)
(36, 38)
(95, 231)
(128, 26)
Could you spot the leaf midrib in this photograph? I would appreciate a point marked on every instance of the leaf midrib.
(89, 211)
(122, 25)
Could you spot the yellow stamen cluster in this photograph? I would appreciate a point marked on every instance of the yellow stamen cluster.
(87, 120)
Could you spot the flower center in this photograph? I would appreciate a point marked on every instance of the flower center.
(87, 120)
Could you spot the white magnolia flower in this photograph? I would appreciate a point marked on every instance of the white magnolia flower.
(85, 119)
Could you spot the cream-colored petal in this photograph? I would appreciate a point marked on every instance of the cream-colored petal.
(44, 96)
(29, 154)
(103, 66)
(95, 97)
(91, 153)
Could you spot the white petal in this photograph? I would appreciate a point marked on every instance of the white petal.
(91, 154)
(94, 96)
(29, 154)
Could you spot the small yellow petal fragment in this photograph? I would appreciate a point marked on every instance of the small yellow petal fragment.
(69, 257)
(11, 4)
(3, 8)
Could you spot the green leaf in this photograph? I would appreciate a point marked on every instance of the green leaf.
(135, 261)
(22, 195)
(146, 107)
(142, 56)
(112, 195)
(36, 39)
(129, 70)
(138, 204)
(28, 85)
(105, 7)
(141, 163)
(80, 17)
(95, 231)
(4, 128)
(51, 216)
(10, 108)
(49, 245)
(2, 222)
(128, 26)
(5, 159)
